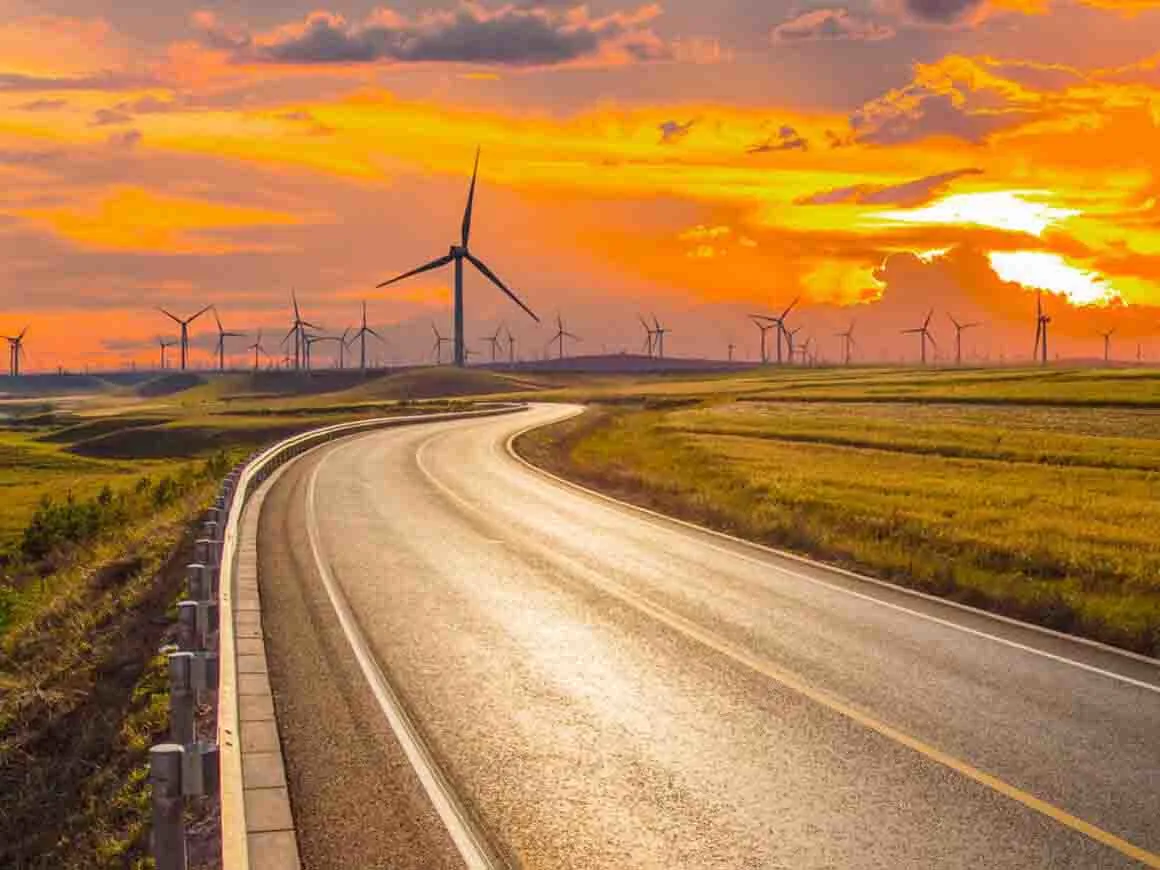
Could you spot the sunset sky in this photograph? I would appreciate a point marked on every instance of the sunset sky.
(698, 160)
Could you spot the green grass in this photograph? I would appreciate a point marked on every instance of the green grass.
(1049, 514)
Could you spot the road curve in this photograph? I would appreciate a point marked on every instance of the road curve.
(606, 689)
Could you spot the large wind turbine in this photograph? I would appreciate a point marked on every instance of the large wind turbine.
(457, 254)
(221, 342)
(923, 333)
(184, 324)
(361, 335)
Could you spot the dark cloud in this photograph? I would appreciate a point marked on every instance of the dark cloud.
(942, 12)
(541, 34)
(109, 117)
(786, 139)
(26, 158)
(912, 193)
(914, 114)
(17, 82)
(43, 105)
(675, 131)
(827, 25)
(128, 140)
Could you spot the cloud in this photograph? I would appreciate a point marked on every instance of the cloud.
(527, 35)
(786, 139)
(907, 195)
(127, 140)
(43, 105)
(943, 12)
(109, 117)
(106, 81)
(674, 131)
(827, 25)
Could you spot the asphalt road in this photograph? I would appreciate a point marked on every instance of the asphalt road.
(605, 689)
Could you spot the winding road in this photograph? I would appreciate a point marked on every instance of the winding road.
(586, 685)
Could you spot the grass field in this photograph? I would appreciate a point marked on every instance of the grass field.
(1037, 496)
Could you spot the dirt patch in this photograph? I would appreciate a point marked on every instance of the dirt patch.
(173, 442)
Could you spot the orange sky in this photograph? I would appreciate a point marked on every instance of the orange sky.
(877, 161)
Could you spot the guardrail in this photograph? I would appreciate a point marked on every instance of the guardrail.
(207, 660)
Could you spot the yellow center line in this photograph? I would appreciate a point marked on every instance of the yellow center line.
(832, 702)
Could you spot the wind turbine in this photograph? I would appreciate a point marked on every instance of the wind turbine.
(765, 327)
(15, 349)
(361, 335)
(438, 346)
(308, 342)
(790, 334)
(457, 254)
(731, 347)
(848, 342)
(923, 333)
(257, 348)
(511, 347)
(959, 329)
(221, 342)
(164, 345)
(493, 340)
(561, 334)
(184, 324)
(1041, 322)
(779, 321)
(660, 332)
(1108, 344)
(648, 335)
(298, 333)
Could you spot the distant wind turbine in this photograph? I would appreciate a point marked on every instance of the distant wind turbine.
(660, 332)
(361, 335)
(779, 321)
(457, 254)
(15, 351)
(1041, 322)
(165, 345)
(959, 329)
(561, 334)
(221, 342)
(648, 335)
(438, 346)
(848, 343)
(184, 324)
(1108, 344)
(298, 333)
(765, 328)
(494, 341)
(511, 343)
(257, 348)
(923, 333)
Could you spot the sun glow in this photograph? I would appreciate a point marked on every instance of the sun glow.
(1046, 271)
(1011, 210)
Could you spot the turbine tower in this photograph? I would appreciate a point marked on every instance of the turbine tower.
(221, 342)
(438, 346)
(848, 343)
(764, 328)
(15, 351)
(1041, 322)
(731, 347)
(457, 254)
(1108, 344)
(959, 329)
(660, 332)
(561, 334)
(361, 335)
(184, 324)
(257, 348)
(923, 333)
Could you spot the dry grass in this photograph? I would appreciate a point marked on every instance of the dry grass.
(1048, 515)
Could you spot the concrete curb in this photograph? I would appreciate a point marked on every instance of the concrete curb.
(257, 825)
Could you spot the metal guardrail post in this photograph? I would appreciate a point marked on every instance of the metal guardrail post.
(187, 625)
(181, 698)
(166, 761)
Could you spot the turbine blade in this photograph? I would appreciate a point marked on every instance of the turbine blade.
(790, 308)
(470, 202)
(491, 276)
(217, 319)
(434, 264)
(929, 315)
(199, 314)
(172, 317)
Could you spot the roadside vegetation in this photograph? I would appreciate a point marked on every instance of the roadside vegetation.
(1047, 510)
